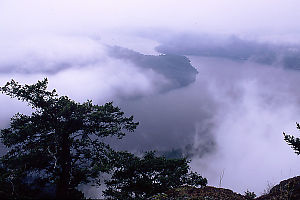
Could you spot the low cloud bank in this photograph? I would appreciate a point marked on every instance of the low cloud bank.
(228, 118)
(256, 104)
(234, 47)
(230, 123)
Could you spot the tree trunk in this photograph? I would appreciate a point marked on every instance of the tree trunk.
(63, 182)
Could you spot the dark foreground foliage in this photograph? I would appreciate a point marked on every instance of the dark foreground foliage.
(142, 177)
(293, 141)
(60, 145)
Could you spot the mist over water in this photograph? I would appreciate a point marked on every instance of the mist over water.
(229, 121)
(228, 118)
(256, 103)
(231, 118)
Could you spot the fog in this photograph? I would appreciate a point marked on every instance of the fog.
(256, 103)
(257, 17)
(228, 118)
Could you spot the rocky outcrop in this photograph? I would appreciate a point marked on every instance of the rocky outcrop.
(286, 190)
(192, 193)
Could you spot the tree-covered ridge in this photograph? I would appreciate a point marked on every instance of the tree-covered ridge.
(232, 47)
(174, 67)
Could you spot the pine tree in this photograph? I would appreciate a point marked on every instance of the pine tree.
(61, 142)
(293, 141)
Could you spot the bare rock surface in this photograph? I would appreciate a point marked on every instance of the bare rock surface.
(286, 190)
(205, 193)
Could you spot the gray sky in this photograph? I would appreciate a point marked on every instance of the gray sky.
(241, 107)
(90, 17)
